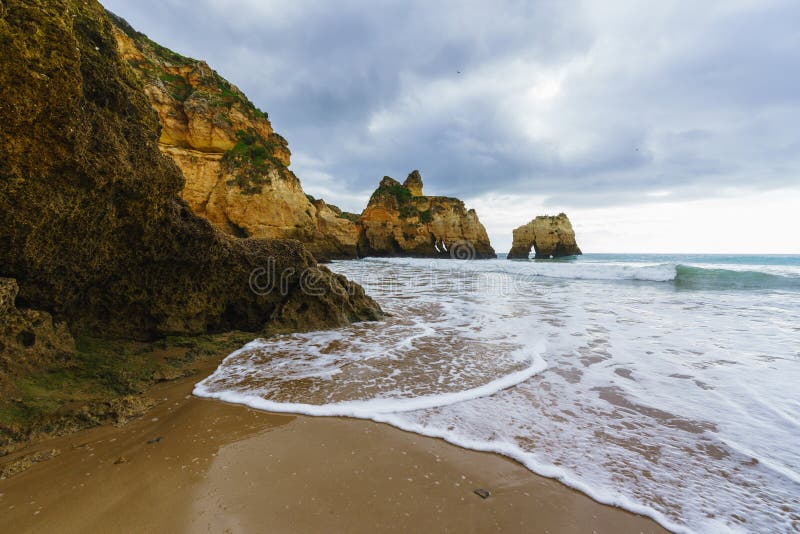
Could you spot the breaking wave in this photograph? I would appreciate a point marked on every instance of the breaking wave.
(661, 387)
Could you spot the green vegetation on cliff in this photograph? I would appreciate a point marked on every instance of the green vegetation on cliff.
(251, 161)
(94, 232)
(392, 190)
(91, 224)
(101, 381)
(408, 210)
(349, 216)
(159, 62)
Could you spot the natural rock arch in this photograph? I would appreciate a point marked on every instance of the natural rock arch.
(549, 236)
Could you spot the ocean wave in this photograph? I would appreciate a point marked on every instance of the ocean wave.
(391, 411)
(683, 276)
(707, 277)
(570, 270)
(589, 271)
(669, 404)
(691, 277)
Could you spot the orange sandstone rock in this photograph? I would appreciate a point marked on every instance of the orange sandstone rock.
(550, 236)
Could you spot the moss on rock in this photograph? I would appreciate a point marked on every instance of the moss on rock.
(91, 224)
(400, 221)
(156, 58)
(251, 162)
(107, 259)
(99, 381)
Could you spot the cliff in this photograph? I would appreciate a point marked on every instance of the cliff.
(29, 339)
(91, 224)
(235, 165)
(93, 229)
(400, 221)
(550, 237)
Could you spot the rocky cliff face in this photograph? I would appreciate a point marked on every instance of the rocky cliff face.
(550, 237)
(91, 223)
(235, 165)
(237, 175)
(400, 221)
(29, 339)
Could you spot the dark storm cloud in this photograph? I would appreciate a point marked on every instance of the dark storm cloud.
(583, 102)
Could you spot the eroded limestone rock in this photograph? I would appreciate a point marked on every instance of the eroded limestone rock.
(398, 222)
(549, 236)
(236, 167)
(91, 222)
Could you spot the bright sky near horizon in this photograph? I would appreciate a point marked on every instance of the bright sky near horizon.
(658, 127)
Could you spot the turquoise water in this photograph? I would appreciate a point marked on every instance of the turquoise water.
(709, 271)
(790, 260)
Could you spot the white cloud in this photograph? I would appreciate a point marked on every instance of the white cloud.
(608, 110)
(760, 223)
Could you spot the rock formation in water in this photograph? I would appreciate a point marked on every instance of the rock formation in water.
(235, 165)
(549, 236)
(92, 226)
(400, 221)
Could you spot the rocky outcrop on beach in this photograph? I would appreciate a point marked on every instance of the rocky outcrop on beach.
(401, 221)
(92, 225)
(29, 339)
(96, 243)
(336, 234)
(236, 167)
(549, 236)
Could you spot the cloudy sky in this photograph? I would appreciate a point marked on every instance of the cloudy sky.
(669, 126)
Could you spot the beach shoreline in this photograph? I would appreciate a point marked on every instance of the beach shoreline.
(192, 464)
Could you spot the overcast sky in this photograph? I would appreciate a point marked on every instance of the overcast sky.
(670, 126)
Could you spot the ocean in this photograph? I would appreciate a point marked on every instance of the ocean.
(668, 385)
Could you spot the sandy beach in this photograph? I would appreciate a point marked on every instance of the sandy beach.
(393, 270)
(195, 465)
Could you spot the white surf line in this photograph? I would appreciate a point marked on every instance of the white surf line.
(529, 461)
(386, 410)
(370, 408)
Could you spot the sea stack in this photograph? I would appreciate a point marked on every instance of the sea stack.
(550, 237)
(401, 221)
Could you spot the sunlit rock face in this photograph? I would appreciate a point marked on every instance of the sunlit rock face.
(400, 221)
(236, 168)
(549, 236)
(92, 227)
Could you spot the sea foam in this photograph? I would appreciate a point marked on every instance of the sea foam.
(669, 399)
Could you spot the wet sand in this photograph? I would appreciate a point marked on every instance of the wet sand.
(227, 468)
